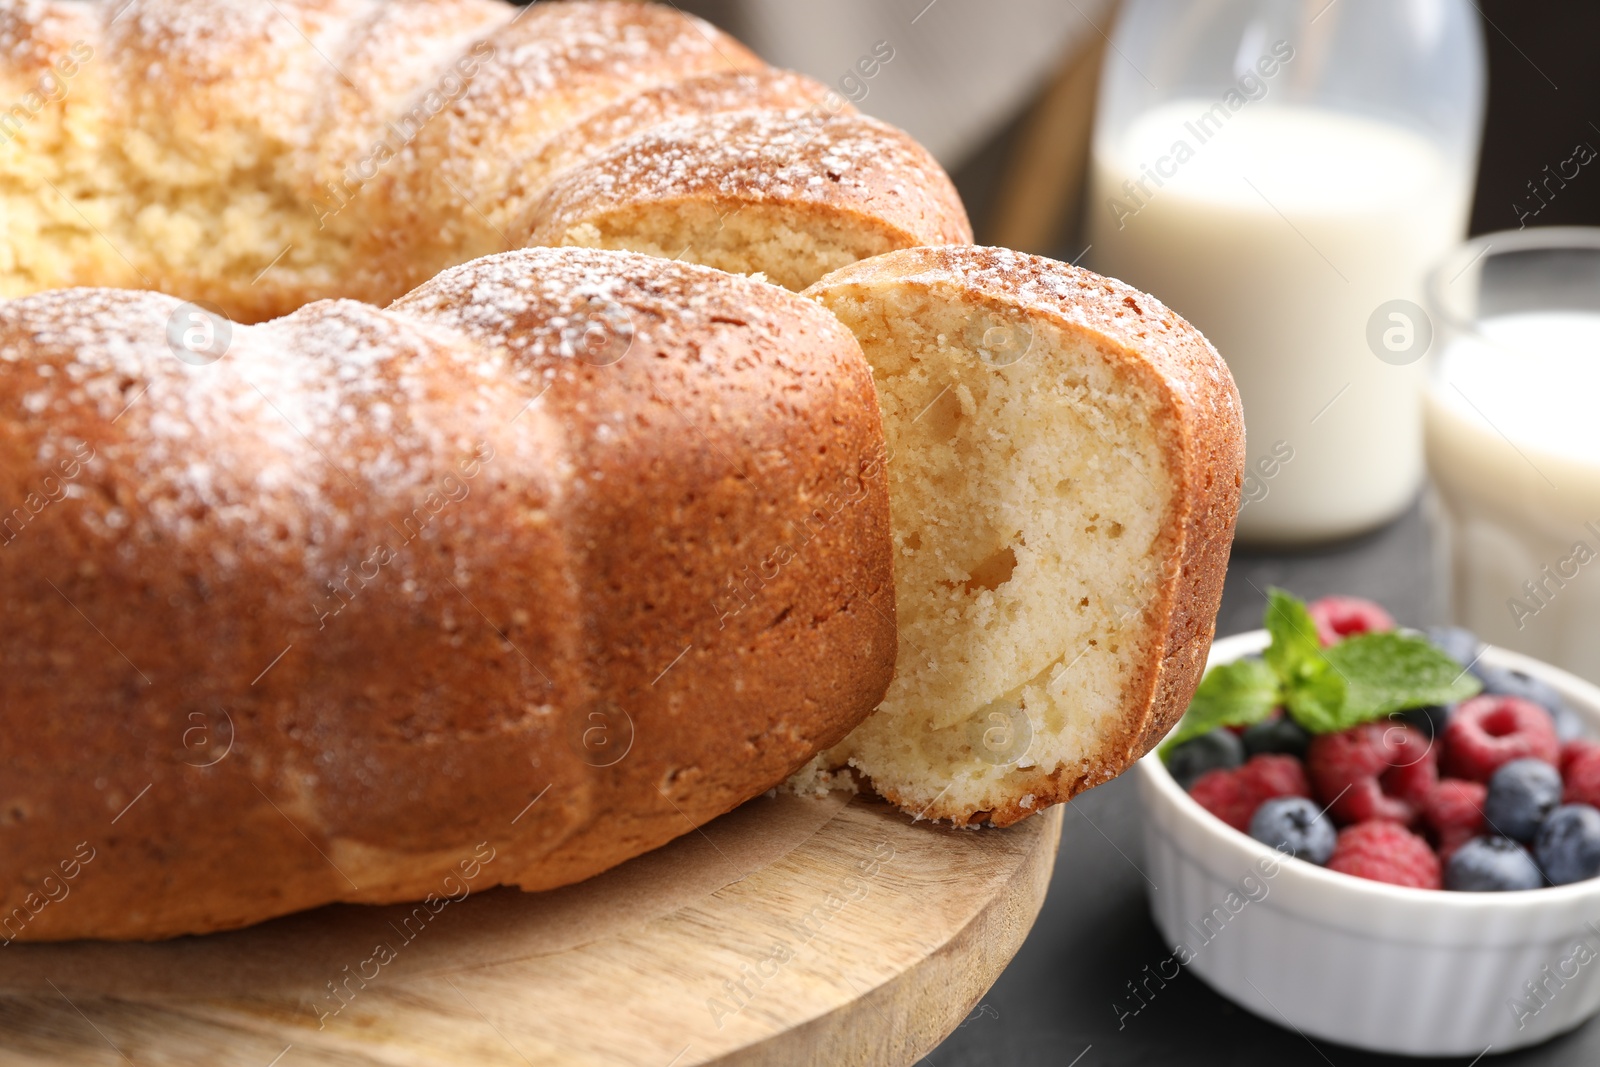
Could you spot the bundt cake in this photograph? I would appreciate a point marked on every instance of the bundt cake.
(1065, 456)
(570, 548)
(309, 622)
(258, 156)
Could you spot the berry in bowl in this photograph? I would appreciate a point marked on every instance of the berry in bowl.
(1382, 838)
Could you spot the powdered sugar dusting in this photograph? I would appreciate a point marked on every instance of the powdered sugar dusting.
(545, 306)
(767, 156)
(740, 90)
(35, 33)
(404, 55)
(215, 57)
(301, 427)
(558, 63)
(306, 426)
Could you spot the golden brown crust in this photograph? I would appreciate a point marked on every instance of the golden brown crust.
(390, 59)
(708, 94)
(863, 177)
(753, 539)
(1201, 420)
(445, 197)
(311, 621)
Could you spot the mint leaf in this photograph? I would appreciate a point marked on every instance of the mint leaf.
(1313, 692)
(1325, 690)
(1294, 636)
(1316, 697)
(1231, 694)
(1389, 672)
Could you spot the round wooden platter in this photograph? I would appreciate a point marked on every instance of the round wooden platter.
(792, 930)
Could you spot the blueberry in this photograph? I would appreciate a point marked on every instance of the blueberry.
(1568, 845)
(1295, 825)
(1281, 735)
(1431, 720)
(1491, 865)
(1220, 749)
(1521, 794)
(1503, 681)
(1457, 642)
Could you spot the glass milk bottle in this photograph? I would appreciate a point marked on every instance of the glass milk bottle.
(1282, 173)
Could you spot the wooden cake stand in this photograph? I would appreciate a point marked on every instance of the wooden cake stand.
(832, 931)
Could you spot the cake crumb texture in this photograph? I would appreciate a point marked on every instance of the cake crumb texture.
(1065, 457)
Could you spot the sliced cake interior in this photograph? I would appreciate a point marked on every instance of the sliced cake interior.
(1064, 461)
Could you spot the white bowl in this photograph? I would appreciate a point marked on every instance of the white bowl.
(1419, 972)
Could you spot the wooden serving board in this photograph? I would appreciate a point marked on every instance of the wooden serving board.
(829, 931)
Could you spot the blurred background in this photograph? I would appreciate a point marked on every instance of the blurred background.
(1003, 92)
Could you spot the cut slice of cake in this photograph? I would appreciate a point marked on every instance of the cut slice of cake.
(1065, 456)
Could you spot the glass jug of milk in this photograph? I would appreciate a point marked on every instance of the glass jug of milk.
(1283, 173)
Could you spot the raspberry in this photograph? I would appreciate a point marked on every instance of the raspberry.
(1454, 812)
(1373, 771)
(1234, 795)
(1338, 617)
(1487, 731)
(1580, 767)
(1413, 765)
(1572, 750)
(1386, 852)
(1277, 776)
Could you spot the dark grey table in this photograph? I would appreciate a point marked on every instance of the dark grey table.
(1053, 1005)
